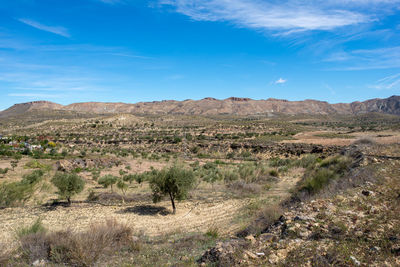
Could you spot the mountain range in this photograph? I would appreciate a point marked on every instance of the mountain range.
(212, 106)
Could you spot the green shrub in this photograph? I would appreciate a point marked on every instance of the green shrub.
(307, 161)
(245, 154)
(211, 175)
(230, 175)
(273, 173)
(108, 181)
(129, 178)
(95, 174)
(140, 177)
(338, 164)
(35, 164)
(68, 184)
(212, 232)
(36, 227)
(278, 162)
(4, 171)
(15, 193)
(318, 180)
(247, 172)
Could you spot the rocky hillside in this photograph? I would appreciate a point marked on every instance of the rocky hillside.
(18, 109)
(212, 106)
(353, 222)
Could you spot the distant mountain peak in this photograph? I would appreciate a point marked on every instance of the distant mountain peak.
(213, 106)
(239, 99)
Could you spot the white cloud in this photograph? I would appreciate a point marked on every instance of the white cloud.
(280, 81)
(290, 16)
(53, 29)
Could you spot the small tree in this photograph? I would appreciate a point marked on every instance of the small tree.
(68, 184)
(14, 163)
(129, 178)
(123, 187)
(108, 180)
(175, 182)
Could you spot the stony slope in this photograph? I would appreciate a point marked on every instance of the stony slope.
(212, 106)
(355, 224)
(22, 108)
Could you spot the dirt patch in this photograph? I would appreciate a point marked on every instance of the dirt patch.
(191, 215)
(313, 138)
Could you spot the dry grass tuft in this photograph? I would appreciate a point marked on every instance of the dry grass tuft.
(364, 141)
(77, 249)
(267, 216)
(5, 254)
(241, 188)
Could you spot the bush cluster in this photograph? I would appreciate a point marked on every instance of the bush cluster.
(16, 193)
(71, 248)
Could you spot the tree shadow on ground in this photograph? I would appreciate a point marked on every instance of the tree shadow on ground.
(146, 210)
(54, 204)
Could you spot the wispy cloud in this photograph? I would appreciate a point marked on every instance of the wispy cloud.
(175, 77)
(290, 16)
(367, 59)
(27, 79)
(111, 2)
(52, 29)
(391, 82)
(329, 88)
(280, 81)
(128, 55)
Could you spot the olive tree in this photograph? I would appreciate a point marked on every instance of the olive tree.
(123, 187)
(68, 184)
(174, 182)
(108, 180)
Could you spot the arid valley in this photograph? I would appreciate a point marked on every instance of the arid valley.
(262, 186)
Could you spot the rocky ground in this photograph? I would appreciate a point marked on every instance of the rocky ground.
(359, 226)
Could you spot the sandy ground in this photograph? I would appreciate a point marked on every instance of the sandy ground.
(383, 137)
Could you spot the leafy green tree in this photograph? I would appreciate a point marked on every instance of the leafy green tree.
(174, 181)
(108, 181)
(14, 163)
(121, 185)
(140, 178)
(68, 184)
(129, 178)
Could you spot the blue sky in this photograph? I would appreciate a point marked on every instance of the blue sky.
(134, 50)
